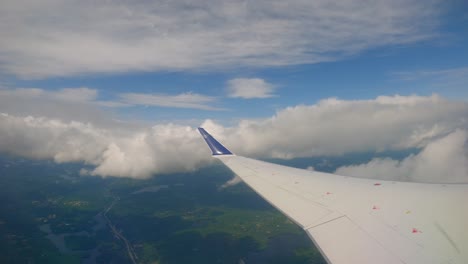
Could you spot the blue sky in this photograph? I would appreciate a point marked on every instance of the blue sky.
(428, 56)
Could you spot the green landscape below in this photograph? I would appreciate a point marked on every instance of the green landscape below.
(51, 214)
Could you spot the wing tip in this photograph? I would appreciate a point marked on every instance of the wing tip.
(216, 147)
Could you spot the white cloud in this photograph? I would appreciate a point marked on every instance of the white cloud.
(81, 94)
(162, 149)
(184, 100)
(46, 102)
(249, 88)
(77, 94)
(77, 104)
(334, 127)
(137, 153)
(442, 160)
(234, 181)
(330, 127)
(59, 38)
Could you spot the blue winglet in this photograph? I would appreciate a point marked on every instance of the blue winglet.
(215, 146)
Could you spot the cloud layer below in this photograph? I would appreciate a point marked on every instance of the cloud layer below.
(330, 127)
(76, 37)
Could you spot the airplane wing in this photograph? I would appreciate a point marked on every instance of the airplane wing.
(354, 220)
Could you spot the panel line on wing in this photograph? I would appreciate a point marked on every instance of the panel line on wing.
(446, 235)
(326, 213)
(328, 221)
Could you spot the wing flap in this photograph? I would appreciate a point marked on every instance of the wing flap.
(333, 239)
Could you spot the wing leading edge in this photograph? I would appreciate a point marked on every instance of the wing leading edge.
(353, 220)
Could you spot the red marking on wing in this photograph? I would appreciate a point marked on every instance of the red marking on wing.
(377, 184)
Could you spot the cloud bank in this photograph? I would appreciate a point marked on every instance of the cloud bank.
(77, 37)
(335, 127)
(138, 153)
(443, 160)
(330, 127)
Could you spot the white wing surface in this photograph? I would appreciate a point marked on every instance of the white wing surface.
(353, 220)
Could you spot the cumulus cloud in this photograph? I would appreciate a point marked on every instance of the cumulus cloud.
(330, 127)
(442, 160)
(249, 88)
(138, 153)
(335, 127)
(234, 181)
(162, 149)
(60, 38)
